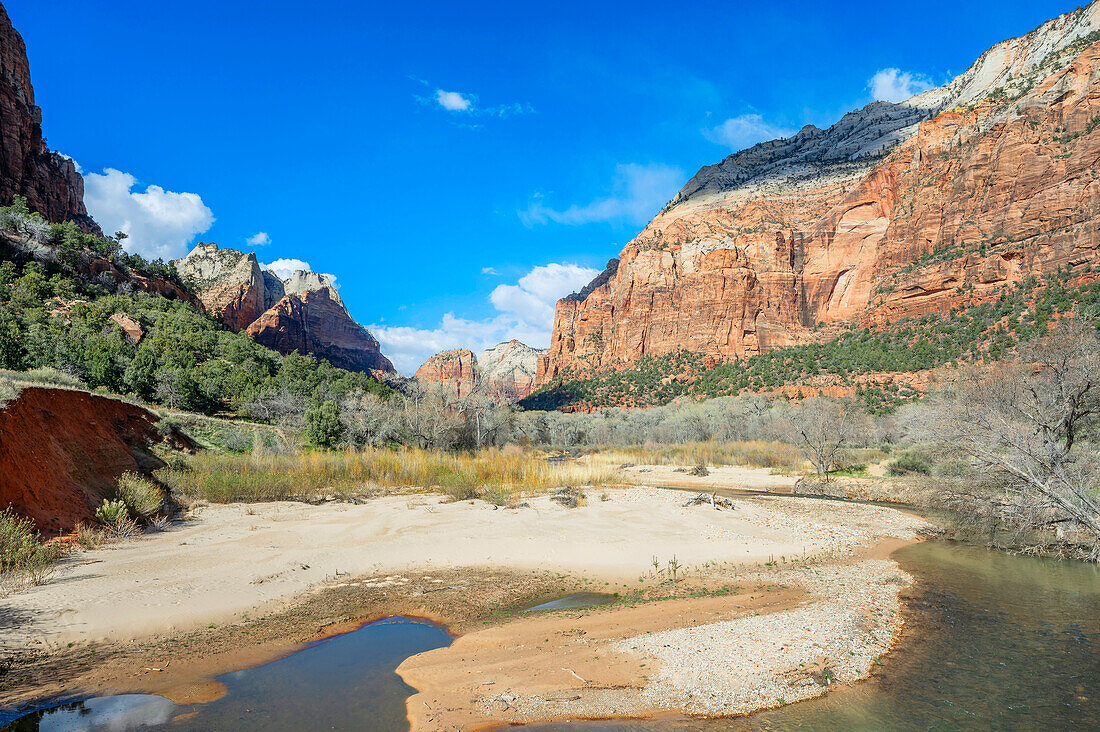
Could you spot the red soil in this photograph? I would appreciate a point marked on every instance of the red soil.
(62, 451)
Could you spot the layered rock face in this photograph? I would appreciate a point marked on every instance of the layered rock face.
(316, 322)
(509, 368)
(49, 181)
(892, 212)
(455, 372)
(506, 371)
(303, 313)
(230, 283)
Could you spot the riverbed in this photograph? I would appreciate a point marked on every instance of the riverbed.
(993, 641)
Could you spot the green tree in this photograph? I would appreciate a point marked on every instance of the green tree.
(322, 424)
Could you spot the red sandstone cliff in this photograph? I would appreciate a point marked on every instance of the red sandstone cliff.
(303, 313)
(887, 214)
(316, 322)
(505, 372)
(49, 181)
(454, 371)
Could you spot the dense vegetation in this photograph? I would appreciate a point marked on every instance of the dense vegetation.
(979, 332)
(54, 315)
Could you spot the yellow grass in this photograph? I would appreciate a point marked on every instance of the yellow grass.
(779, 456)
(495, 474)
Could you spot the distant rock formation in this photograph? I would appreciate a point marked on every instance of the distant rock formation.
(303, 313)
(897, 210)
(229, 283)
(455, 371)
(507, 371)
(49, 181)
(510, 369)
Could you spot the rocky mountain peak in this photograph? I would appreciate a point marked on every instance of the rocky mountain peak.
(302, 313)
(303, 280)
(506, 371)
(862, 138)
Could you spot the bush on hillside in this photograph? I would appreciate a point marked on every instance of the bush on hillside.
(142, 497)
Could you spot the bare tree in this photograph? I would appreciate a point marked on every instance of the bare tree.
(824, 429)
(1019, 425)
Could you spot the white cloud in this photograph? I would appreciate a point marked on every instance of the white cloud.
(895, 85)
(744, 131)
(467, 103)
(637, 193)
(284, 268)
(259, 239)
(453, 101)
(525, 311)
(159, 223)
(489, 271)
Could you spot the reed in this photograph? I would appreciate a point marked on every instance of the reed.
(311, 476)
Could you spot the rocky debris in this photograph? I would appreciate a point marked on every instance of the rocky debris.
(507, 371)
(712, 499)
(304, 313)
(699, 470)
(755, 662)
(49, 181)
(62, 451)
(130, 327)
(995, 169)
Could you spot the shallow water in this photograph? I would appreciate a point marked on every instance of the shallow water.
(994, 641)
(576, 601)
(346, 682)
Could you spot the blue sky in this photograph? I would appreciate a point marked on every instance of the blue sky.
(456, 166)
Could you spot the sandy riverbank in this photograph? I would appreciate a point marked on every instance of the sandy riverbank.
(236, 559)
(243, 583)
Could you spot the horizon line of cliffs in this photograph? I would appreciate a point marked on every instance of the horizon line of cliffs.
(896, 211)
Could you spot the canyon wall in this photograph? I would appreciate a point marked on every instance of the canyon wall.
(890, 213)
(49, 181)
(303, 313)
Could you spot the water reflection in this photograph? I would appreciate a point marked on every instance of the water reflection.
(994, 641)
(346, 682)
(114, 713)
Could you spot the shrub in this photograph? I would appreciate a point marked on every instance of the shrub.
(111, 512)
(323, 426)
(21, 549)
(142, 497)
(910, 462)
(500, 495)
(89, 537)
(122, 527)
